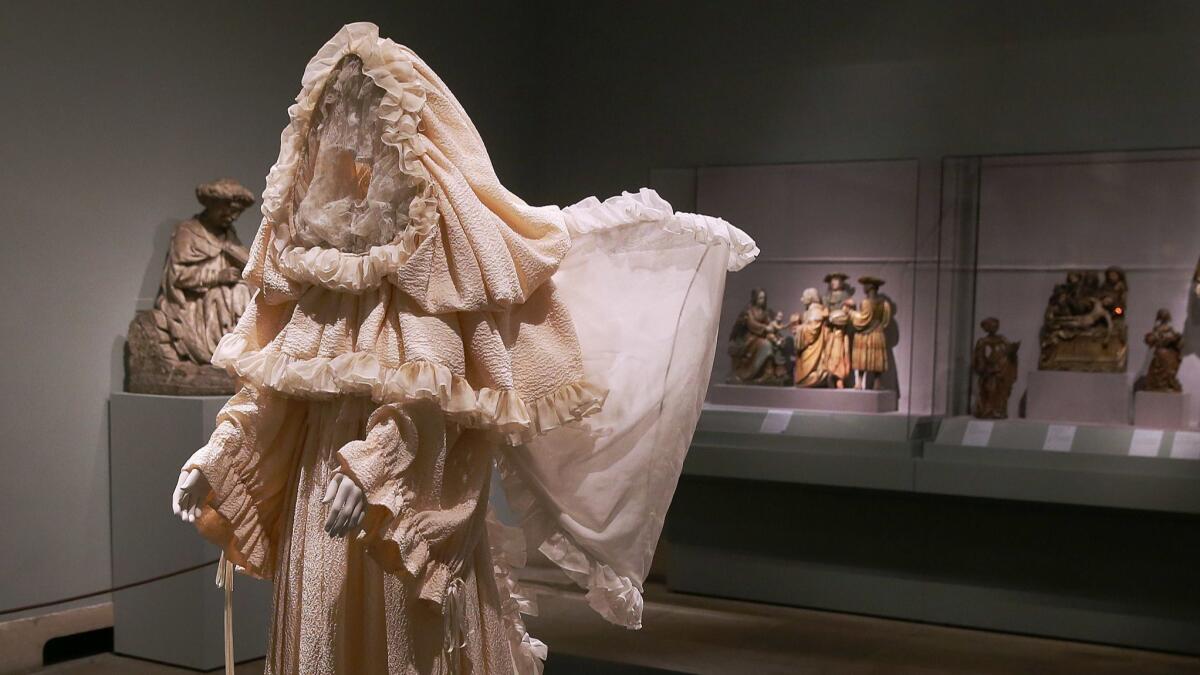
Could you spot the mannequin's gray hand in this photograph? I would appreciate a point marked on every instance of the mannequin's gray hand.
(346, 512)
(190, 491)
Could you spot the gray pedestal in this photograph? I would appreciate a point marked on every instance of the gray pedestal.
(801, 398)
(178, 619)
(1161, 410)
(1055, 395)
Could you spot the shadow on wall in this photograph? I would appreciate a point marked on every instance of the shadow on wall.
(1191, 324)
(151, 278)
(154, 267)
(1140, 372)
(891, 378)
(118, 380)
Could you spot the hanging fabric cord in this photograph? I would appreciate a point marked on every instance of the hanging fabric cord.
(454, 604)
(453, 618)
(225, 581)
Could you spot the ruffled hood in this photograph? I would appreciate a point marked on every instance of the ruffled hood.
(469, 244)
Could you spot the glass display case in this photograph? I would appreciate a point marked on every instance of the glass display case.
(1042, 386)
(1070, 314)
(1087, 262)
(826, 339)
(839, 249)
(1060, 289)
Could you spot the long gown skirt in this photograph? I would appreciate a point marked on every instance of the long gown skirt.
(336, 610)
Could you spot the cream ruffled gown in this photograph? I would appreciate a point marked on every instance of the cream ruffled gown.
(410, 329)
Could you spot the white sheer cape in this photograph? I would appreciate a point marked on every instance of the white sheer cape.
(644, 285)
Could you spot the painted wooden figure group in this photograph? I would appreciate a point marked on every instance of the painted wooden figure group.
(1084, 330)
(835, 342)
(839, 343)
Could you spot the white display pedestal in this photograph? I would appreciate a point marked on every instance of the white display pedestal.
(1058, 395)
(1161, 410)
(178, 619)
(801, 398)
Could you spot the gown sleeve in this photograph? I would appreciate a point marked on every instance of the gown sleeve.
(247, 461)
(419, 520)
(644, 288)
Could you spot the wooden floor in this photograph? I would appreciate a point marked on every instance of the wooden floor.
(689, 634)
(693, 634)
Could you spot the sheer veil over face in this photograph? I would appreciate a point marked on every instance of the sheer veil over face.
(349, 192)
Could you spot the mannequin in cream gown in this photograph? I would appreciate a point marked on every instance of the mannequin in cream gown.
(416, 325)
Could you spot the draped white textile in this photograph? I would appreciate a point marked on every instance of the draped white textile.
(644, 287)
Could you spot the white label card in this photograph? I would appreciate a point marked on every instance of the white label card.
(776, 421)
(1186, 445)
(978, 433)
(1059, 437)
(1145, 442)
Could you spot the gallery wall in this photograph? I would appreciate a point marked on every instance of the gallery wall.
(633, 86)
(113, 112)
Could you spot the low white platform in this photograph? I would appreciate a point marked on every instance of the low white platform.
(1064, 396)
(801, 398)
(23, 639)
(1162, 410)
(177, 619)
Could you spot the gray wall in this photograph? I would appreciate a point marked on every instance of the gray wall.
(632, 86)
(114, 111)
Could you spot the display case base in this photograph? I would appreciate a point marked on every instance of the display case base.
(1057, 395)
(809, 447)
(976, 527)
(1162, 410)
(801, 398)
(176, 619)
(1110, 466)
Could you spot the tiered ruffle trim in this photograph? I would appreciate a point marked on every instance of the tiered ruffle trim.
(625, 209)
(235, 526)
(613, 596)
(360, 373)
(390, 67)
(508, 553)
(346, 272)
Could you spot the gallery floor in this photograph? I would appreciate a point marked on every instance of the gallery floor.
(690, 634)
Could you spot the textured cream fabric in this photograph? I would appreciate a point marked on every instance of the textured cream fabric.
(414, 323)
(369, 606)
